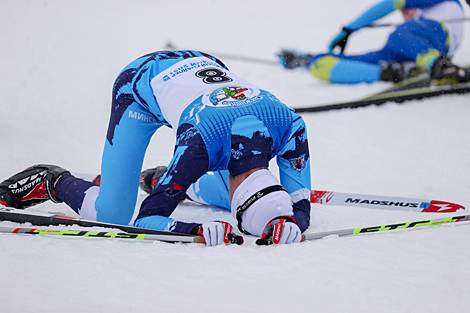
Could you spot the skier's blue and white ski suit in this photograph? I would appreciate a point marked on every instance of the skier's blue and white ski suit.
(223, 124)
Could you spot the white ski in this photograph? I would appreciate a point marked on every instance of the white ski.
(383, 202)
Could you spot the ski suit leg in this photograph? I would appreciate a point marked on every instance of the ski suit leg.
(212, 189)
(122, 164)
(129, 132)
(339, 69)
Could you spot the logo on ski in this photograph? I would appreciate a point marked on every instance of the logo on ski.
(383, 202)
(378, 202)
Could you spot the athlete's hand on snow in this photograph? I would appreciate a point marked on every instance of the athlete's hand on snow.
(217, 233)
(340, 40)
(279, 230)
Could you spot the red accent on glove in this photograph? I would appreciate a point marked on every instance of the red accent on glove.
(200, 233)
(278, 228)
(277, 231)
(228, 230)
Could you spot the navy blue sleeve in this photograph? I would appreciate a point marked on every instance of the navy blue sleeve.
(294, 171)
(302, 214)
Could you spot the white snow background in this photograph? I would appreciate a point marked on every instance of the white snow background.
(58, 62)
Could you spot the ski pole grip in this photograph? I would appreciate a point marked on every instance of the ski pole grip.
(233, 239)
(199, 239)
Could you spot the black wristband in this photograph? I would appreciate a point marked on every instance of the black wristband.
(195, 230)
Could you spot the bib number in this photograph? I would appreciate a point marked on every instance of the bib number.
(213, 76)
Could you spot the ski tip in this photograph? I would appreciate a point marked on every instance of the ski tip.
(436, 206)
(320, 197)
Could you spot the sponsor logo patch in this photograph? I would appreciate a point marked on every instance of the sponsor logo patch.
(298, 163)
(231, 95)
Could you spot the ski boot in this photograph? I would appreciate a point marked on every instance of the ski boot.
(291, 59)
(445, 72)
(398, 71)
(34, 185)
(149, 178)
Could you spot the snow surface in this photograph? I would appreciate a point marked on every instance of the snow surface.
(58, 63)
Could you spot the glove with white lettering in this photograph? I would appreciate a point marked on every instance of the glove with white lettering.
(280, 230)
(217, 233)
(340, 40)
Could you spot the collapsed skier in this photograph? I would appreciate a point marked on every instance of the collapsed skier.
(232, 137)
(425, 41)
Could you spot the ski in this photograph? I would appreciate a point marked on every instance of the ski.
(386, 227)
(383, 202)
(168, 237)
(414, 88)
(47, 219)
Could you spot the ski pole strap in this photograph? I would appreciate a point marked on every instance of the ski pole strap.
(258, 195)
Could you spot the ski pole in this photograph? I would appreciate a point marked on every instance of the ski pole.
(96, 234)
(101, 234)
(386, 227)
(171, 46)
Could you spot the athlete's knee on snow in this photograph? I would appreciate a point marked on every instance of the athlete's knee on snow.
(322, 65)
(212, 189)
(426, 59)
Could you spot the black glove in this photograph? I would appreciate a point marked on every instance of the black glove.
(341, 40)
(149, 178)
